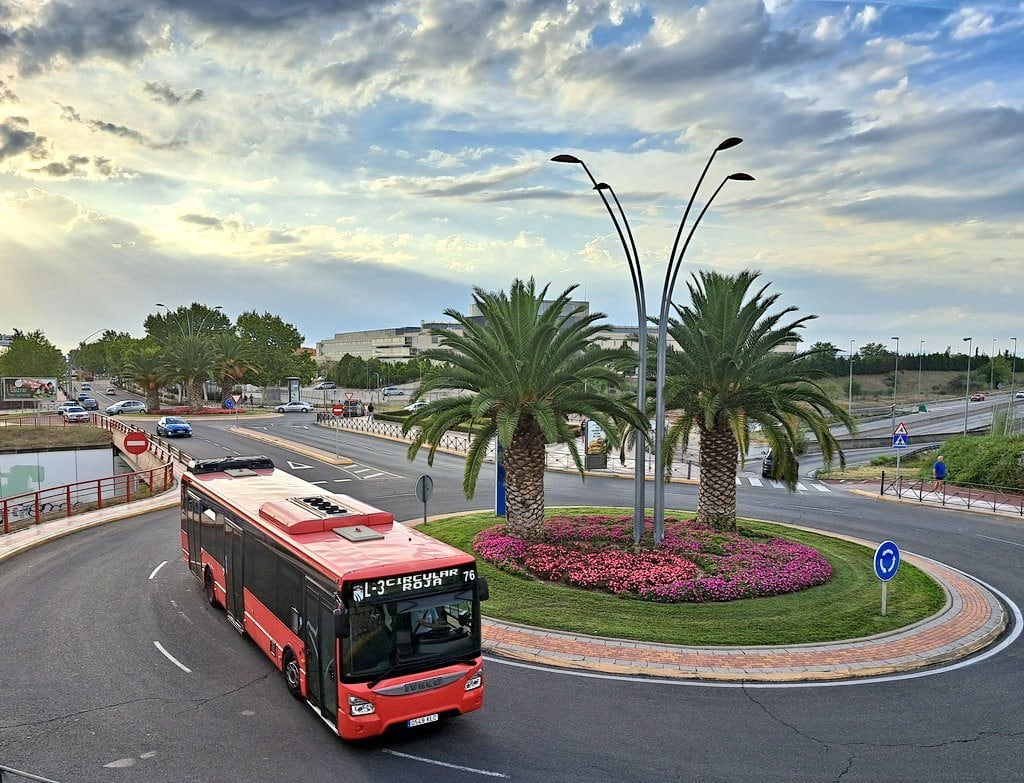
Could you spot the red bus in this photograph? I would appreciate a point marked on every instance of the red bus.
(372, 623)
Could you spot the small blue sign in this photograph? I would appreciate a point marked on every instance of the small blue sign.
(887, 560)
(900, 441)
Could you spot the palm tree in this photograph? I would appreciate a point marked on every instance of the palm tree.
(145, 366)
(235, 360)
(737, 365)
(524, 369)
(191, 359)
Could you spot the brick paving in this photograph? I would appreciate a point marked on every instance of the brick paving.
(972, 619)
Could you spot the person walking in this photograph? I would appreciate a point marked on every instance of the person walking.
(939, 473)
(369, 411)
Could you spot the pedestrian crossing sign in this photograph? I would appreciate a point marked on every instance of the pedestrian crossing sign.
(900, 441)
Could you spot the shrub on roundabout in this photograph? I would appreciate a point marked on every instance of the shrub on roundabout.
(693, 563)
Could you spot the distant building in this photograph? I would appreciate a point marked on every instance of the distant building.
(402, 343)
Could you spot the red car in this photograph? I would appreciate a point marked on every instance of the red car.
(977, 398)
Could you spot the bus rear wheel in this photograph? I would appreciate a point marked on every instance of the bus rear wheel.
(290, 669)
(211, 593)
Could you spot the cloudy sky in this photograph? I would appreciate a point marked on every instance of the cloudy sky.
(352, 164)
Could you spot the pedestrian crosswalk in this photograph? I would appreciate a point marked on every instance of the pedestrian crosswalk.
(754, 481)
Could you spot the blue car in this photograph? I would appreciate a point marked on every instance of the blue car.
(173, 427)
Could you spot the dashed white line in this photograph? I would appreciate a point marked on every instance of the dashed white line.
(157, 569)
(446, 764)
(821, 488)
(1001, 540)
(755, 482)
(172, 659)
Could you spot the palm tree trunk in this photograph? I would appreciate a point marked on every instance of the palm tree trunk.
(524, 479)
(716, 503)
(195, 395)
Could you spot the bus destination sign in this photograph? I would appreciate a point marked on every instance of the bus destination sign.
(406, 584)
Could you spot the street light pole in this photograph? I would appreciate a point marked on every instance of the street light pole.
(992, 367)
(636, 276)
(920, 364)
(849, 405)
(967, 396)
(1008, 427)
(895, 377)
(674, 263)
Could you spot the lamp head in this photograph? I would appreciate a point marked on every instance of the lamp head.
(602, 186)
(566, 159)
(740, 176)
(730, 142)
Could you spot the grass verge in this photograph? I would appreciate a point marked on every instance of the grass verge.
(847, 607)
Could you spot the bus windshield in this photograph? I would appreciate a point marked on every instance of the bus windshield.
(410, 633)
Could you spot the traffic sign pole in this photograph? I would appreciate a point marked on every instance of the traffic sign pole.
(887, 563)
(336, 411)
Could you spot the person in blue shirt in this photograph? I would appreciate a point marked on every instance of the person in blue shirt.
(939, 473)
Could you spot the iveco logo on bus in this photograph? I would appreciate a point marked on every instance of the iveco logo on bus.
(424, 685)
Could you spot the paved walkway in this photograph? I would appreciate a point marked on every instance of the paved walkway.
(972, 619)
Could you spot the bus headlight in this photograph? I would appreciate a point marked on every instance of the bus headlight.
(475, 681)
(357, 706)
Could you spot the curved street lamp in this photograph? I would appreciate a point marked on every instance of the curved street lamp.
(849, 404)
(895, 378)
(1008, 428)
(967, 396)
(636, 276)
(672, 271)
(920, 364)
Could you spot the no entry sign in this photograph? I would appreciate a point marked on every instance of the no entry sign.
(136, 442)
(338, 410)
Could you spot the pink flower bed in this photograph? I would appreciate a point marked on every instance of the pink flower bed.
(693, 563)
(183, 410)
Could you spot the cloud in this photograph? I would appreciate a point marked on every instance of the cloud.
(164, 93)
(16, 139)
(72, 166)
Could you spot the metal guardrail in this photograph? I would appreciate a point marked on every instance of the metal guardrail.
(990, 498)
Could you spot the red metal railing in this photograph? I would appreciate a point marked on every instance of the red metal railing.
(44, 505)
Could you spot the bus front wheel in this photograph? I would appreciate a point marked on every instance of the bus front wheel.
(290, 667)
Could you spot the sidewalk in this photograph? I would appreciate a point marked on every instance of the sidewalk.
(972, 619)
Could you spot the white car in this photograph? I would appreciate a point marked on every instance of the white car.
(76, 413)
(1019, 395)
(391, 391)
(415, 406)
(297, 406)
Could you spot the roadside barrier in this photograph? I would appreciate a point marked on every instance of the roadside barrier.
(989, 498)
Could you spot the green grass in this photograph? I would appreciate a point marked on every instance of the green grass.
(847, 607)
(33, 437)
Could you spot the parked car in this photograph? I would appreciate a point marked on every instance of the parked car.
(415, 406)
(1019, 395)
(90, 404)
(67, 404)
(325, 385)
(391, 391)
(977, 397)
(298, 406)
(77, 413)
(127, 406)
(353, 408)
(110, 390)
(173, 426)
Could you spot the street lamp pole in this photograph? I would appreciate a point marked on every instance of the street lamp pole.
(674, 262)
(72, 354)
(992, 367)
(895, 377)
(920, 364)
(967, 396)
(849, 405)
(1008, 427)
(636, 276)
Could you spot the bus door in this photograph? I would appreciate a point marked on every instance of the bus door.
(233, 584)
(193, 508)
(321, 647)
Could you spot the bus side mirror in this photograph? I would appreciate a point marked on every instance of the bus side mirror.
(341, 622)
(483, 592)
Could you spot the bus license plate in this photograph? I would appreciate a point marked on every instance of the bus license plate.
(421, 721)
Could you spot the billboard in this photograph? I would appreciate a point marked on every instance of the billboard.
(15, 389)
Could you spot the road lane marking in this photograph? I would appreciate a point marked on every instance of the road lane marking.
(446, 764)
(157, 569)
(172, 659)
(1001, 540)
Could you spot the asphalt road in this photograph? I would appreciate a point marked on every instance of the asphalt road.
(89, 697)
